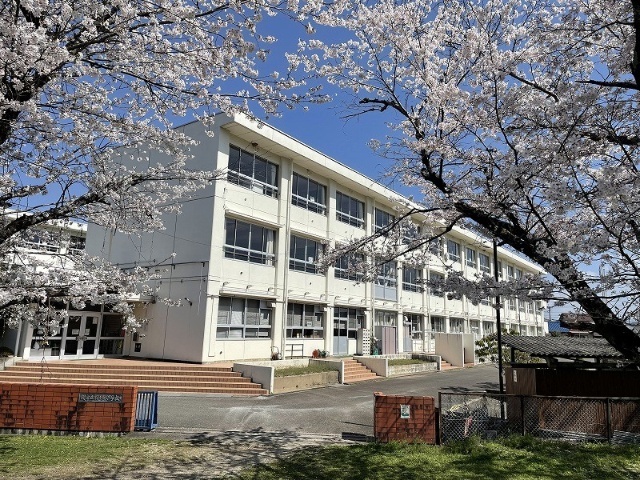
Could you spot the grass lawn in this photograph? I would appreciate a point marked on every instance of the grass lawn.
(313, 368)
(121, 457)
(509, 459)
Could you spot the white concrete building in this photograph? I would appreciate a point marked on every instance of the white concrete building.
(45, 247)
(244, 266)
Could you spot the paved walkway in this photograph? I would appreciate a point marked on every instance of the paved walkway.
(345, 411)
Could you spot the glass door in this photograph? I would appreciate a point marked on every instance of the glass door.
(81, 336)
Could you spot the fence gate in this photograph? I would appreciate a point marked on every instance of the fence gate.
(147, 411)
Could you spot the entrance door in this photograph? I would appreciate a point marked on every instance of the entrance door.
(340, 337)
(81, 338)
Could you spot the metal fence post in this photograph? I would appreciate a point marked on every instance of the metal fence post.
(608, 408)
(439, 418)
(524, 428)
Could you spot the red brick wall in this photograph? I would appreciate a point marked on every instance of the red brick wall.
(389, 426)
(40, 406)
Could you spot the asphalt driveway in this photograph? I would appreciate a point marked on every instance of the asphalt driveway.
(342, 410)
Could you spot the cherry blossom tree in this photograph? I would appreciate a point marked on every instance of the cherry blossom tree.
(81, 79)
(515, 117)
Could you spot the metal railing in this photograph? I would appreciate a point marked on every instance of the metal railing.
(489, 415)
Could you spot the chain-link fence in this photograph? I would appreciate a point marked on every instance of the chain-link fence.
(488, 415)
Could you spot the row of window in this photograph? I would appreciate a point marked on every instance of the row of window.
(52, 243)
(240, 318)
(258, 174)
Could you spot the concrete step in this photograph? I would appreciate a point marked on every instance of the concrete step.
(148, 376)
(354, 371)
(157, 384)
(115, 372)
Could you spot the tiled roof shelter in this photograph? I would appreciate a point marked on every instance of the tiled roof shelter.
(562, 347)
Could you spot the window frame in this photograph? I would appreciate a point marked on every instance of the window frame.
(349, 217)
(386, 219)
(484, 268)
(304, 265)
(473, 257)
(251, 255)
(305, 201)
(315, 331)
(412, 283)
(453, 256)
(265, 324)
(237, 177)
(436, 292)
(344, 272)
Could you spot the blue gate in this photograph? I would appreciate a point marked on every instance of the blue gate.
(147, 411)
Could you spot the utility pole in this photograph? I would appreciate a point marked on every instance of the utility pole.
(498, 324)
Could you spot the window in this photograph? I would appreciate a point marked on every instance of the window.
(309, 194)
(42, 241)
(76, 244)
(437, 279)
(485, 266)
(304, 321)
(385, 288)
(251, 171)
(499, 269)
(415, 324)
(243, 318)
(470, 255)
(248, 242)
(511, 272)
(349, 210)
(347, 321)
(411, 233)
(412, 279)
(383, 219)
(456, 325)
(436, 247)
(488, 328)
(437, 324)
(345, 267)
(453, 250)
(385, 319)
(304, 254)
(512, 304)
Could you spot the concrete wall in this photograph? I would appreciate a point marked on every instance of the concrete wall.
(378, 365)
(469, 348)
(304, 382)
(259, 374)
(450, 346)
(398, 370)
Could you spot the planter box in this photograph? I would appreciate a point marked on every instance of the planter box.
(304, 382)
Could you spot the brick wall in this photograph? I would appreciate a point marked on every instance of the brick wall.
(389, 424)
(40, 406)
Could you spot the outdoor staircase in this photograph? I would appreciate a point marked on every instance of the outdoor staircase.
(354, 371)
(164, 377)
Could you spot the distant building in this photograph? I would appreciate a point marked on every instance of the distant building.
(578, 324)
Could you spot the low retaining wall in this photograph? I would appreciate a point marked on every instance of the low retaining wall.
(406, 418)
(399, 370)
(304, 382)
(71, 408)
